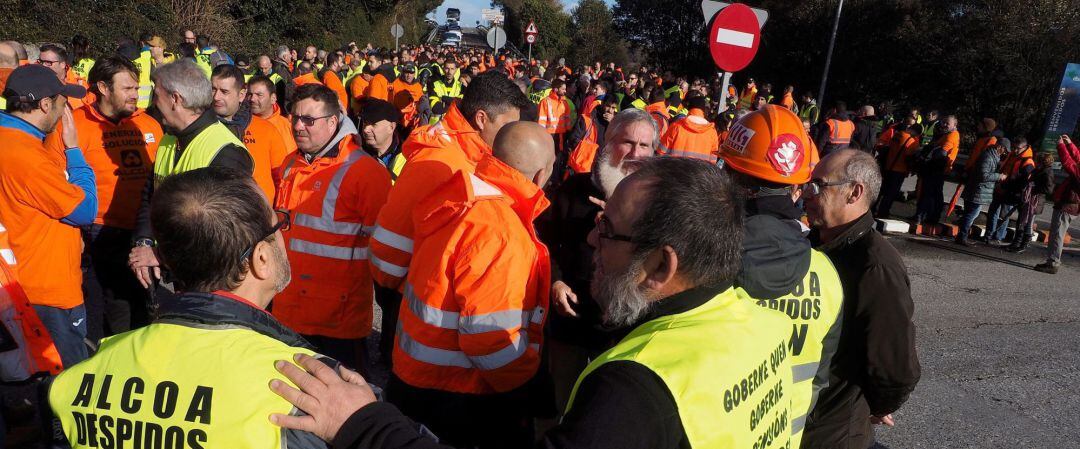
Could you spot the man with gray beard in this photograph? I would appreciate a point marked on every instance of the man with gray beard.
(574, 338)
(697, 367)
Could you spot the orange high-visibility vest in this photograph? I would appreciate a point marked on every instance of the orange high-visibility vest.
(34, 351)
(435, 153)
(691, 138)
(660, 115)
(334, 201)
(474, 306)
(554, 114)
(980, 145)
(840, 132)
(582, 158)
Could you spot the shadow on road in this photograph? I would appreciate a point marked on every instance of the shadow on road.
(961, 250)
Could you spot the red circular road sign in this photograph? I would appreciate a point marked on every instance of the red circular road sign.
(734, 37)
(530, 38)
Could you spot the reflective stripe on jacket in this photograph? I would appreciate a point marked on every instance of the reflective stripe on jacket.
(691, 138)
(334, 201)
(474, 305)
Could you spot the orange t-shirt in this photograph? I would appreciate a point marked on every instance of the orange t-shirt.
(122, 156)
(267, 150)
(379, 87)
(34, 195)
(284, 128)
(331, 80)
(358, 91)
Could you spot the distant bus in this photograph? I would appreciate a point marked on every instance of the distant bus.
(453, 13)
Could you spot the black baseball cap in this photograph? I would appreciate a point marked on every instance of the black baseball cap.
(376, 110)
(34, 82)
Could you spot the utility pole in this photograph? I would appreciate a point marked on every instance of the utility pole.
(828, 57)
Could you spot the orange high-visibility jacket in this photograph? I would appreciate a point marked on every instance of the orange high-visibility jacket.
(582, 157)
(788, 101)
(284, 127)
(435, 153)
(357, 92)
(307, 78)
(1015, 161)
(980, 145)
(267, 149)
(33, 351)
(840, 132)
(901, 148)
(473, 311)
(331, 80)
(692, 137)
(554, 114)
(334, 201)
(660, 115)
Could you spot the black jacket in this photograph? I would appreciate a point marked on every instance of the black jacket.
(231, 156)
(564, 228)
(621, 405)
(875, 367)
(775, 254)
(864, 138)
(214, 311)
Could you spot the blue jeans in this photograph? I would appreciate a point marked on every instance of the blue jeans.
(997, 220)
(68, 330)
(971, 212)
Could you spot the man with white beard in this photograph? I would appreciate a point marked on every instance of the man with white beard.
(573, 336)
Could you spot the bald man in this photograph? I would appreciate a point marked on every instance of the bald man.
(20, 52)
(9, 60)
(477, 258)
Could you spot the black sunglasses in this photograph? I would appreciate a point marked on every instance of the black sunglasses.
(284, 222)
(603, 230)
(308, 120)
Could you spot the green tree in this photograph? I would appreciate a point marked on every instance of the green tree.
(594, 35)
(554, 24)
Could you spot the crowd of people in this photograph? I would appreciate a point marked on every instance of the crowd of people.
(194, 242)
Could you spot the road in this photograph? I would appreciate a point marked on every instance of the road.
(999, 345)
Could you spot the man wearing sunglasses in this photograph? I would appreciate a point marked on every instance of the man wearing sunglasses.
(334, 190)
(196, 375)
(875, 366)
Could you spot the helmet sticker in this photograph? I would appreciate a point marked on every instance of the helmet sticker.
(786, 154)
(739, 138)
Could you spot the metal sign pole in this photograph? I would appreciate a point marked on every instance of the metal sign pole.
(530, 52)
(828, 57)
(724, 91)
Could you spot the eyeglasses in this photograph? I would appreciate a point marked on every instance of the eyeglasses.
(284, 221)
(604, 230)
(46, 62)
(816, 186)
(308, 120)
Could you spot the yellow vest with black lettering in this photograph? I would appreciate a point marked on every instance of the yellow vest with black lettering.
(198, 154)
(146, 85)
(82, 68)
(814, 309)
(175, 386)
(725, 363)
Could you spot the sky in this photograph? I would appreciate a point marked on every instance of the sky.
(470, 9)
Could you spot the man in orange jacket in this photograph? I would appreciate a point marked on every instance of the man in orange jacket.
(334, 191)
(259, 136)
(379, 86)
(434, 153)
(330, 76)
(694, 136)
(264, 104)
(120, 142)
(476, 298)
(657, 108)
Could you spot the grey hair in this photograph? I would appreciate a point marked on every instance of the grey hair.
(283, 50)
(630, 116)
(188, 80)
(863, 169)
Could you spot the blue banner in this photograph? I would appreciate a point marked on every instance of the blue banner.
(1064, 109)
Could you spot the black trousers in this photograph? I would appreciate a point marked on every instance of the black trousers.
(890, 189)
(389, 300)
(931, 199)
(493, 421)
(115, 301)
